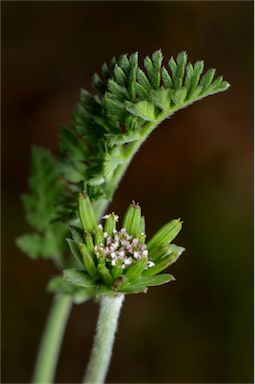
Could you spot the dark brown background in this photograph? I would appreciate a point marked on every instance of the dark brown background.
(198, 166)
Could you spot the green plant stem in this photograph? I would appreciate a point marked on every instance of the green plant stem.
(133, 147)
(61, 306)
(52, 339)
(104, 338)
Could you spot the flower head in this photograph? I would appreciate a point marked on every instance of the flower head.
(120, 260)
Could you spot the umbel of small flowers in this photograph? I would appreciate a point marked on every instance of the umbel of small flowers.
(112, 260)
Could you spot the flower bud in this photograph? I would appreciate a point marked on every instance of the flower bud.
(104, 273)
(110, 223)
(142, 225)
(165, 235)
(86, 213)
(132, 219)
(88, 260)
(165, 262)
(158, 253)
(136, 269)
(89, 242)
(99, 235)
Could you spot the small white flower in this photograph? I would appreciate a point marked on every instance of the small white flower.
(128, 261)
(150, 264)
(137, 255)
(135, 241)
(116, 217)
(113, 255)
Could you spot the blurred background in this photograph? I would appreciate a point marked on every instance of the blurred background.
(197, 166)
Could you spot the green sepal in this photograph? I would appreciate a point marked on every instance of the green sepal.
(156, 253)
(132, 219)
(132, 288)
(177, 249)
(110, 224)
(89, 242)
(164, 263)
(74, 247)
(80, 278)
(150, 281)
(165, 235)
(104, 273)
(99, 235)
(142, 225)
(135, 269)
(116, 272)
(88, 261)
(86, 213)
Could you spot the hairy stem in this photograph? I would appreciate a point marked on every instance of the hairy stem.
(103, 342)
(52, 339)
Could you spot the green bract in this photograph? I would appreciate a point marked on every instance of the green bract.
(111, 260)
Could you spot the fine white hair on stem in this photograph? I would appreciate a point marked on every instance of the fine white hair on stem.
(110, 307)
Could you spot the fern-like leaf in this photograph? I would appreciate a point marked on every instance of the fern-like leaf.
(106, 130)
(41, 209)
(129, 104)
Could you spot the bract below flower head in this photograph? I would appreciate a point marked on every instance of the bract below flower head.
(115, 259)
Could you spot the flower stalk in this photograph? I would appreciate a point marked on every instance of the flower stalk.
(110, 307)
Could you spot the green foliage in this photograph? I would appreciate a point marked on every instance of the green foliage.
(59, 285)
(49, 244)
(45, 187)
(107, 128)
(40, 208)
